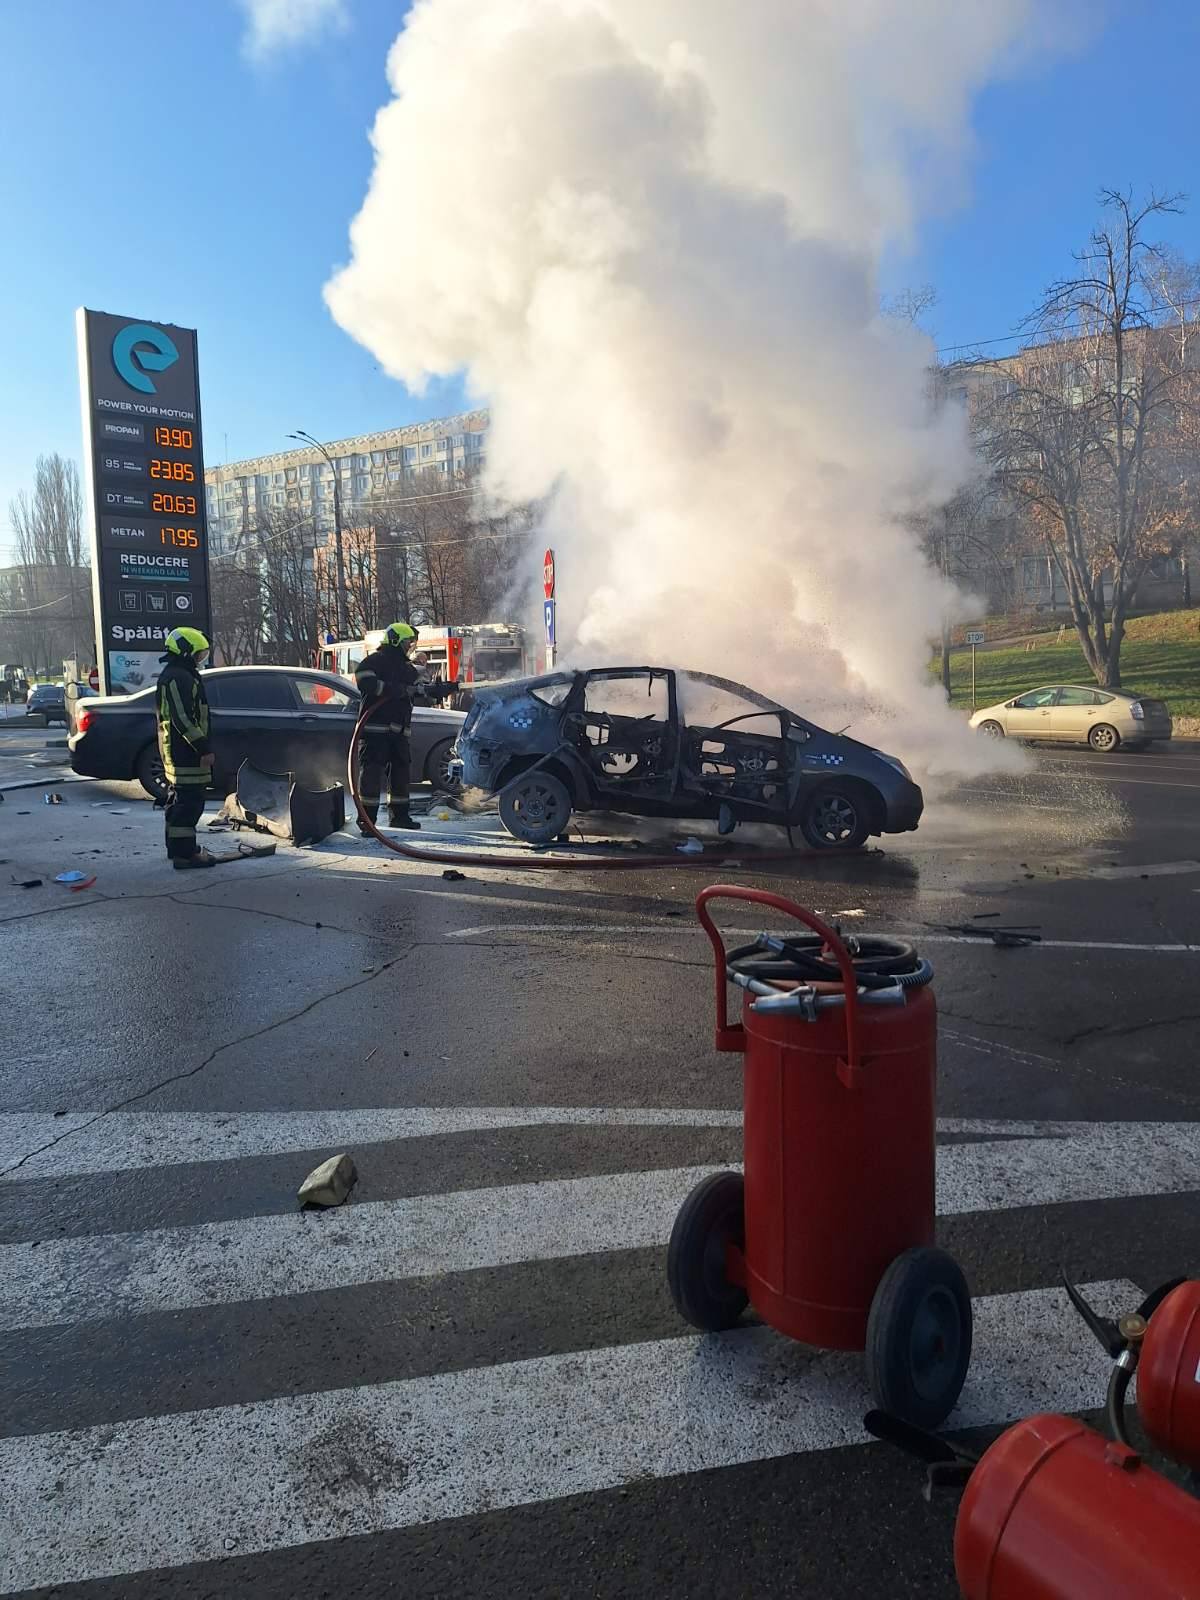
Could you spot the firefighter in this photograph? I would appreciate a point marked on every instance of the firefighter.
(386, 679)
(187, 761)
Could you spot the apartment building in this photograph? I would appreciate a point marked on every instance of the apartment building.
(299, 480)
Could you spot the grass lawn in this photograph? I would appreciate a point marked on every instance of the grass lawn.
(1160, 658)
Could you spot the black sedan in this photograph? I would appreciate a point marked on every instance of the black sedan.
(284, 719)
(655, 742)
(47, 703)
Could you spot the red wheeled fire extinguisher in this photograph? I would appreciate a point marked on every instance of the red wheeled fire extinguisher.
(1053, 1510)
(830, 1233)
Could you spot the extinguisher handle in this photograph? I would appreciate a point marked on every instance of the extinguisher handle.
(731, 1036)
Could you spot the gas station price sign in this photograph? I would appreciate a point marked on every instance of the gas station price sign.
(140, 398)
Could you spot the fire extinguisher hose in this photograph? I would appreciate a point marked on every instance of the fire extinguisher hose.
(879, 962)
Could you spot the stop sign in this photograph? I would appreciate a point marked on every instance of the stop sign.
(548, 574)
(94, 678)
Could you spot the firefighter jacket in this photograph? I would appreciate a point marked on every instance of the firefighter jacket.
(182, 709)
(386, 679)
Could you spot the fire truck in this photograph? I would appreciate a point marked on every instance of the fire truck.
(468, 654)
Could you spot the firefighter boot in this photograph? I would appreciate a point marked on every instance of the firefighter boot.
(403, 819)
(202, 858)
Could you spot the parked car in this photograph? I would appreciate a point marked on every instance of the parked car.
(1068, 713)
(659, 743)
(47, 703)
(284, 719)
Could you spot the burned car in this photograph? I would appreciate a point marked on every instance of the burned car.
(656, 742)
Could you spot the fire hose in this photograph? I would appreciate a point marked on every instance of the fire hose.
(786, 978)
(485, 858)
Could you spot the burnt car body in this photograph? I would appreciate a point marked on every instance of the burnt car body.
(656, 742)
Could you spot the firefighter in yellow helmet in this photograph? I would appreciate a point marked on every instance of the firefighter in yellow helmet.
(385, 680)
(183, 744)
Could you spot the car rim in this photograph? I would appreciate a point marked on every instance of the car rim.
(992, 730)
(1103, 739)
(537, 803)
(835, 818)
(934, 1342)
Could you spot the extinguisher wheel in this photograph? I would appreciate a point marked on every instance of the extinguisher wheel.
(712, 1217)
(919, 1336)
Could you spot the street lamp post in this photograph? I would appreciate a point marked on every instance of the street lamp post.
(307, 438)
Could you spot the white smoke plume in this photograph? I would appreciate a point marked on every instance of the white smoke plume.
(650, 232)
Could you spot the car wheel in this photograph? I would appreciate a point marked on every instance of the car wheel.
(1104, 737)
(149, 773)
(536, 807)
(437, 768)
(835, 819)
(991, 730)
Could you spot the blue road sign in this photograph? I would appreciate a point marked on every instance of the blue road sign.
(548, 606)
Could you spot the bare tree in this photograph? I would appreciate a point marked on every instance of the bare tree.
(48, 605)
(1089, 427)
(235, 593)
(278, 554)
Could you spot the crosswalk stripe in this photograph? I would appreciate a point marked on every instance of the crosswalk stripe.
(95, 1277)
(269, 1475)
(125, 1140)
(86, 1143)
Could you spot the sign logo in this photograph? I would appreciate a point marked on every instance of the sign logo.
(133, 361)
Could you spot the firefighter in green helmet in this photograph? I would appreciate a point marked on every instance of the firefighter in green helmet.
(385, 680)
(187, 760)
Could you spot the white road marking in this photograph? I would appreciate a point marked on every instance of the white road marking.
(271, 1475)
(95, 1277)
(658, 929)
(1154, 869)
(124, 1141)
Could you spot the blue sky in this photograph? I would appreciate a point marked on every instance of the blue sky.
(165, 174)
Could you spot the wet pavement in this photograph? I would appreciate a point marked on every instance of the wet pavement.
(474, 1370)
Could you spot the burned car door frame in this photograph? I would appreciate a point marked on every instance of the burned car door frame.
(626, 757)
(755, 773)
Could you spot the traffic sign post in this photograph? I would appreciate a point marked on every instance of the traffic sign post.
(548, 579)
(140, 396)
(974, 636)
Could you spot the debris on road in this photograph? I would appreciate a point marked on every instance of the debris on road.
(74, 876)
(452, 875)
(330, 1183)
(273, 802)
(1013, 938)
(53, 798)
(691, 846)
(26, 883)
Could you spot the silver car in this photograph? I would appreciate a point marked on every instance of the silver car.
(1068, 713)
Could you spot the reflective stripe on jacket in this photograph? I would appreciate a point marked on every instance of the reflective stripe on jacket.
(183, 724)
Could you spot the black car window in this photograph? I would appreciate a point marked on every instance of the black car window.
(323, 696)
(251, 691)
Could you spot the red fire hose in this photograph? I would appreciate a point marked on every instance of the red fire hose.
(476, 858)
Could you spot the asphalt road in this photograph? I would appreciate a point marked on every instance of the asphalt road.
(471, 1379)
